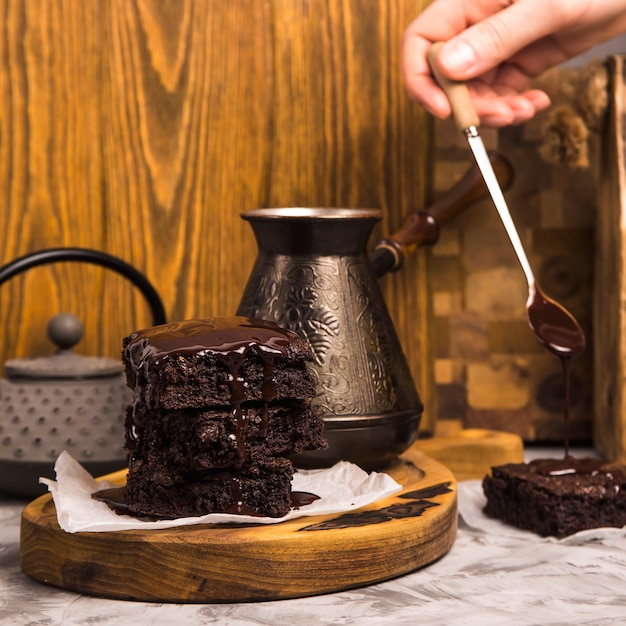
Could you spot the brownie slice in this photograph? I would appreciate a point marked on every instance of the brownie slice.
(219, 437)
(201, 363)
(164, 491)
(557, 498)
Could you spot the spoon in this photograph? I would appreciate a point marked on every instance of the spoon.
(554, 326)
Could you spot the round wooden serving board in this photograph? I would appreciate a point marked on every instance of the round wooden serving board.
(237, 563)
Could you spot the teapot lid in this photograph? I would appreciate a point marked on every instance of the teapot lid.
(64, 330)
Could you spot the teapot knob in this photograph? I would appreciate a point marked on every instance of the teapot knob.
(65, 330)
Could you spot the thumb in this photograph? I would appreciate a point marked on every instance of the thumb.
(498, 37)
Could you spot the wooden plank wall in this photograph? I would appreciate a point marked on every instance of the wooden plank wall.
(609, 424)
(144, 127)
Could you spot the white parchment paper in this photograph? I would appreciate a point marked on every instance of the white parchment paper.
(343, 487)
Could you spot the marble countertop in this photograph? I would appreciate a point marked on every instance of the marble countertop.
(487, 578)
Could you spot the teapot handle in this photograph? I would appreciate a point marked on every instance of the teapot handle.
(421, 228)
(86, 255)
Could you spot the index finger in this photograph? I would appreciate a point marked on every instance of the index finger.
(418, 78)
(440, 21)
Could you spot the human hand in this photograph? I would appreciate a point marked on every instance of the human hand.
(498, 46)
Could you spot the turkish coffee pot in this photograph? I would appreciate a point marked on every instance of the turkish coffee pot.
(313, 275)
(65, 401)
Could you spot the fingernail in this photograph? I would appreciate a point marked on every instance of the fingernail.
(458, 55)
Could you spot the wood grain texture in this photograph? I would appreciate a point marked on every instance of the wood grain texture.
(144, 127)
(230, 563)
(609, 423)
(470, 453)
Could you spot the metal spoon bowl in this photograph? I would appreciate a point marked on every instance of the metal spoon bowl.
(554, 326)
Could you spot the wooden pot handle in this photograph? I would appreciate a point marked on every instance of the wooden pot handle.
(421, 228)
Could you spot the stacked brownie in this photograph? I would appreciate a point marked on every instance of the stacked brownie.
(219, 406)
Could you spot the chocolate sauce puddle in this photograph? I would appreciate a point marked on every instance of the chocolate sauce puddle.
(568, 466)
(115, 499)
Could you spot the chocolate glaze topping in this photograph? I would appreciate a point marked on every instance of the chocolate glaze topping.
(229, 337)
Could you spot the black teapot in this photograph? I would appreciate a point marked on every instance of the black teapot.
(65, 401)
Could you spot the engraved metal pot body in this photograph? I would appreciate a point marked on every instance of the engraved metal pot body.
(312, 275)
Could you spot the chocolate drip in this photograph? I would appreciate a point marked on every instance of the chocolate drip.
(560, 334)
(268, 392)
(236, 382)
(567, 383)
(238, 506)
(115, 498)
(233, 361)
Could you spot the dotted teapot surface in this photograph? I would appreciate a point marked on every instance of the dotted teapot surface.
(38, 420)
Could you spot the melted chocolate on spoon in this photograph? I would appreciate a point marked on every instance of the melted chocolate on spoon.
(555, 328)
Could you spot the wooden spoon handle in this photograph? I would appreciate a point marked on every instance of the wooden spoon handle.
(463, 110)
